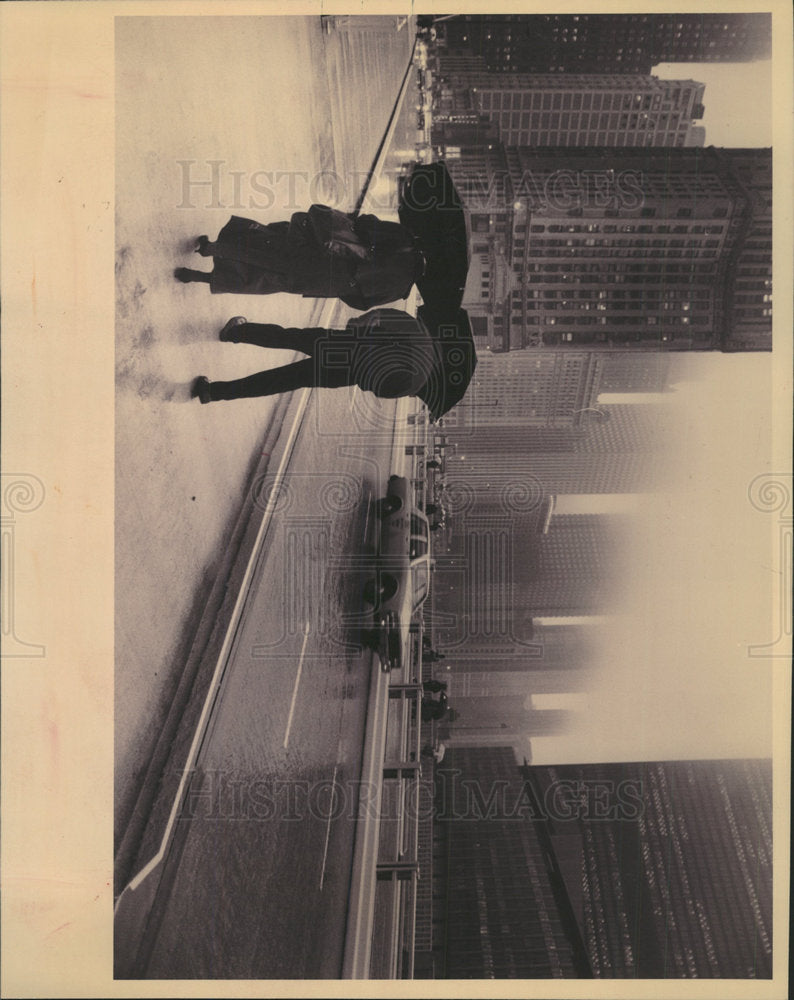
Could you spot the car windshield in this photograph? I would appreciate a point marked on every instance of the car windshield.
(418, 526)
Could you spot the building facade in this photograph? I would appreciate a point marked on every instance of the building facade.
(649, 870)
(500, 910)
(593, 43)
(675, 878)
(615, 249)
(581, 109)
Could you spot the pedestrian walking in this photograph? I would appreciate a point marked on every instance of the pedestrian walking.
(323, 253)
(385, 351)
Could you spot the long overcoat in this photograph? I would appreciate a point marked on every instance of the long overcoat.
(253, 258)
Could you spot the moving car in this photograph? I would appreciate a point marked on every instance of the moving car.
(401, 580)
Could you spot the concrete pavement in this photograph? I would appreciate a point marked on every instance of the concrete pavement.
(198, 688)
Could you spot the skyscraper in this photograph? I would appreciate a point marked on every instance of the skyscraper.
(579, 109)
(597, 43)
(623, 248)
(681, 887)
(643, 870)
(500, 907)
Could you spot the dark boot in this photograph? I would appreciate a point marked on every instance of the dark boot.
(204, 247)
(229, 333)
(201, 389)
(187, 274)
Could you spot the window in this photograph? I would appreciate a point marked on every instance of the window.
(420, 584)
(417, 526)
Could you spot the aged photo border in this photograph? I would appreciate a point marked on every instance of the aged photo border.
(57, 220)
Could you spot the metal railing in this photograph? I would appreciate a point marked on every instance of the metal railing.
(398, 870)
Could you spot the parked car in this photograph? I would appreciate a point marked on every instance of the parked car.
(401, 580)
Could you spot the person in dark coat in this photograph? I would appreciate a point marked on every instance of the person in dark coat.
(385, 351)
(379, 263)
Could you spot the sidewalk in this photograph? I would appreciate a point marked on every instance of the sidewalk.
(183, 471)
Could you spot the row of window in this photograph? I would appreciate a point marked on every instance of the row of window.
(586, 121)
(537, 100)
(611, 308)
(593, 241)
(628, 227)
(604, 272)
(613, 252)
(703, 323)
(525, 137)
(641, 296)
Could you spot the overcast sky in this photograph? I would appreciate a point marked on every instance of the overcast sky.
(738, 100)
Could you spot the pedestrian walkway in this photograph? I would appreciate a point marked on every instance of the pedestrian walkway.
(183, 471)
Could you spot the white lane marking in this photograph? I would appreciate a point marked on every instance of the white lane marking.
(328, 824)
(306, 630)
(220, 665)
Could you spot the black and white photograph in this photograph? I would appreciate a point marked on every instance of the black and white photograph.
(425, 559)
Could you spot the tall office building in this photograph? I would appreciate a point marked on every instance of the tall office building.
(570, 569)
(620, 248)
(499, 574)
(594, 43)
(549, 389)
(675, 872)
(749, 285)
(655, 870)
(500, 909)
(508, 468)
(587, 109)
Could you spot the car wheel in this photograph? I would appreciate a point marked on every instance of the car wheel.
(380, 590)
(388, 505)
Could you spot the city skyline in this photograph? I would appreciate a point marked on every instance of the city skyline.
(674, 647)
(549, 276)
